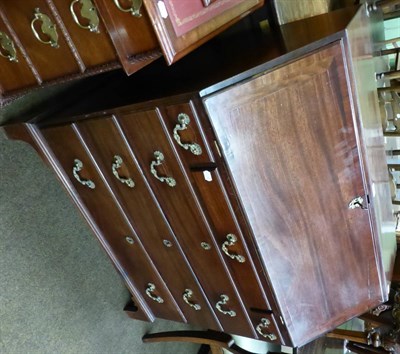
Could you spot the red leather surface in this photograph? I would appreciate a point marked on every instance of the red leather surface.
(186, 15)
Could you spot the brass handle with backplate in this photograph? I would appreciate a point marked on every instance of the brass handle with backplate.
(231, 239)
(264, 324)
(134, 9)
(78, 166)
(149, 292)
(7, 48)
(186, 297)
(183, 123)
(224, 300)
(48, 28)
(87, 11)
(158, 162)
(115, 166)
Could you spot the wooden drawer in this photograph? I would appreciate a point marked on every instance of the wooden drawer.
(49, 62)
(92, 41)
(146, 135)
(14, 74)
(118, 238)
(133, 37)
(104, 140)
(183, 124)
(239, 259)
(182, 27)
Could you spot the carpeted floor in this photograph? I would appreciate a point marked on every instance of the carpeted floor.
(59, 292)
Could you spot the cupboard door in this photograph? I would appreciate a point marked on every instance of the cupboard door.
(182, 26)
(159, 161)
(290, 145)
(15, 72)
(118, 237)
(106, 144)
(48, 49)
(133, 36)
(87, 31)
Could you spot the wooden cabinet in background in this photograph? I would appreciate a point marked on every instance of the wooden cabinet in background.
(48, 41)
(256, 206)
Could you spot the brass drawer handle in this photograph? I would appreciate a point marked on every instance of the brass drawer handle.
(78, 166)
(87, 11)
(186, 296)
(357, 202)
(134, 9)
(7, 48)
(230, 241)
(47, 27)
(150, 288)
(159, 158)
(224, 301)
(183, 124)
(264, 324)
(115, 166)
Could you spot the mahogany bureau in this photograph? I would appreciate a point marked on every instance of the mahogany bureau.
(259, 205)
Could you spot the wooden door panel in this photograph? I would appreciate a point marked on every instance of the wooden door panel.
(104, 141)
(94, 47)
(180, 28)
(290, 146)
(50, 62)
(146, 134)
(118, 236)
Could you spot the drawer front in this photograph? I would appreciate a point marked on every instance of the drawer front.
(15, 72)
(87, 31)
(125, 178)
(228, 236)
(183, 124)
(146, 134)
(117, 235)
(49, 61)
(133, 37)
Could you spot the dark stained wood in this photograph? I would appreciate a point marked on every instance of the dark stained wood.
(296, 167)
(131, 36)
(94, 48)
(104, 142)
(174, 47)
(66, 146)
(146, 134)
(50, 63)
(217, 206)
(14, 75)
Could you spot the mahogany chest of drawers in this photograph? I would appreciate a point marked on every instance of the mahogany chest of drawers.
(260, 207)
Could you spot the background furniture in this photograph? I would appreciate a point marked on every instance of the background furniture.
(46, 41)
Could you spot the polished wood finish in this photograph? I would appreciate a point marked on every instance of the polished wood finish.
(308, 184)
(146, 134)
(133, 37)
(289, 142)
(49, 63)
(14, 75)
(104, 140)
(94, 48)
(109, 221)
